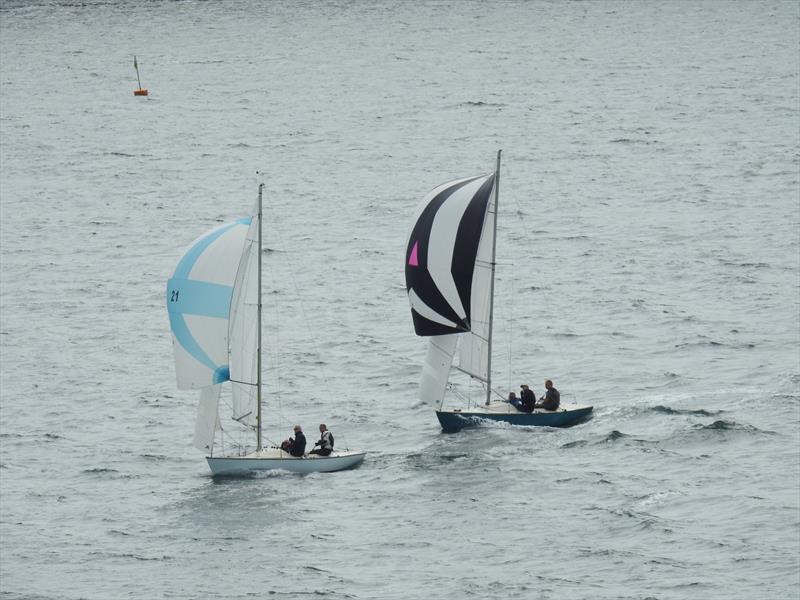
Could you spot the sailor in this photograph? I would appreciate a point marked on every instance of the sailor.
(514, 401)
(528, 399)
(325, 442)
(295, 446)
(552, 397)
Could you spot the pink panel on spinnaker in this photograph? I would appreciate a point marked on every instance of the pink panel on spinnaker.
(413, 261)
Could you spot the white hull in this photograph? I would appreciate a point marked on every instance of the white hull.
(275, 459)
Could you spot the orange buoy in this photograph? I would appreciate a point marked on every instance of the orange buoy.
(140, 91)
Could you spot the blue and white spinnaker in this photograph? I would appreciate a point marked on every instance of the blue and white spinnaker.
(199, 303)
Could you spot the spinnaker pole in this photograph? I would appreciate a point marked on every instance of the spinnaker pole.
(491, 283)
(258, 348)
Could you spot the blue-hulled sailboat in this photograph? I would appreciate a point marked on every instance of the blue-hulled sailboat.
(450, 271)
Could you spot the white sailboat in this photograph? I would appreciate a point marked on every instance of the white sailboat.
(215, 309)
(450, 270)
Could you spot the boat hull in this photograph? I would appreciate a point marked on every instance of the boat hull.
(456, 420)
(274, 459)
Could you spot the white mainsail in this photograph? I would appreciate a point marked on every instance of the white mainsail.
(243, 332)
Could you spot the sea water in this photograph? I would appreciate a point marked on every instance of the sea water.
(648, 262)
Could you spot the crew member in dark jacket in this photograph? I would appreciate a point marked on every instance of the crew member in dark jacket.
(528, 399)
(552, 398)
(295, 446)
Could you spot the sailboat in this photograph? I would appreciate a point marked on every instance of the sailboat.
(450, 272)
(215, 313)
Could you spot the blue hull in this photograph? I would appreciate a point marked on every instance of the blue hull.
(453, 421)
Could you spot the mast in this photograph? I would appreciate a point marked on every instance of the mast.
(258, 346)
(491, 282)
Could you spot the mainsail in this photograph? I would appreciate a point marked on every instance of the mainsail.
(243, 329)
(449, 273)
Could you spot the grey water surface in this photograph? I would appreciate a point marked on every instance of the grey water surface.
(648, 262)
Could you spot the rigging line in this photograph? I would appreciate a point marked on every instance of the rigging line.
(511, 328)
(456, 392)
(239, 419)
(234, 437)
(237, 443)
(480, 337)
(273, 442)
(537, 275)
(292, 270)
(301, 304)
(275, 338)
(498, 394)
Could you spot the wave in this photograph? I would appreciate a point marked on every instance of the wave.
(627, 439)
(110, 473)
(614, 436)
(722, 425)
(420, 458)
(668, 410)
(481, 103)
(575, 444)
(625, 140)
(118, 532)
(748, 265)
(130, 555)
(153, 457)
